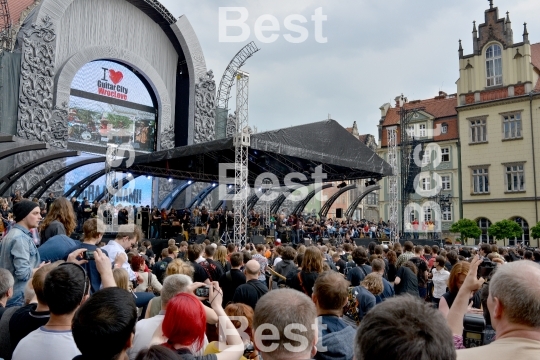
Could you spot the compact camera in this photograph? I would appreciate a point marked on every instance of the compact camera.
(474, 327)
(88, 255)
(202, 291)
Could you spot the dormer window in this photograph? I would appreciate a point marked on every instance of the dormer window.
(493, 65)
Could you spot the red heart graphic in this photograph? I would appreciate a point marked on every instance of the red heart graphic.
(115, 76)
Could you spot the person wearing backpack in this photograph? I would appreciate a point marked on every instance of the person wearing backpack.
(355, 274)
(214, 270)
(250, 292)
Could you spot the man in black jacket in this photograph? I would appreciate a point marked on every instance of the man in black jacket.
(233, 278)
(253, 289)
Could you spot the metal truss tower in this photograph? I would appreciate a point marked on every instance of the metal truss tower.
(224, 90)
(241, 143)
(5, 27)
(393, 188)
(408, 168)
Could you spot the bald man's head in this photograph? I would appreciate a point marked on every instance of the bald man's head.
(253, 268)
(516, 285)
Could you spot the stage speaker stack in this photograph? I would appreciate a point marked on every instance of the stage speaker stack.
(200, 238)
(339, 213)
(257, 239)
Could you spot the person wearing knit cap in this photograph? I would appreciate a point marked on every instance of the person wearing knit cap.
(18, 253)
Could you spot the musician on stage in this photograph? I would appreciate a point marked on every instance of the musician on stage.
(186, 224)
(222, 219)
(212, 229)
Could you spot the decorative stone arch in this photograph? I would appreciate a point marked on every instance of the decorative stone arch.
(68, 71)
(40, 34)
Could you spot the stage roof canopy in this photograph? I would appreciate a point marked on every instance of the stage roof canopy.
(280, 152)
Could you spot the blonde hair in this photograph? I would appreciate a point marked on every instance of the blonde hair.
(221, 255)
(373, 282)
(121, 278)
(177, 266)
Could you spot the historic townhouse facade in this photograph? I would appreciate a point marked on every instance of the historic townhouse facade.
(434, 124)
(499, 111)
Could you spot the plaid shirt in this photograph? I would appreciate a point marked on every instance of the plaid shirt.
(403, 258)
(263, 262)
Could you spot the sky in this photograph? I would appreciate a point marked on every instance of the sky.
(363, 55)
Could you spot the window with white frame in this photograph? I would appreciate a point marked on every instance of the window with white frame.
(445, 154)
(422, 130)
(484, 225)
(426, 158)
(493, 65)
(445, 182)
(425, 183)
(447, 214)
(444, 128)
(478, 130)
(427, 213)
(410, 131)
(515, 178)
(480, 180)
(512, 126)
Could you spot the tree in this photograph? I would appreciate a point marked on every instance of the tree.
(535, 231)
(505, 229)
(467, 229)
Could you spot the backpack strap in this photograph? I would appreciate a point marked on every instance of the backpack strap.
(363, 270)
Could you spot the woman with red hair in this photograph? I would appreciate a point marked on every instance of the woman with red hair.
(186, 337)
(138, 265)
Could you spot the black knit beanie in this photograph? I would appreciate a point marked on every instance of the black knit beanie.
(23, 208)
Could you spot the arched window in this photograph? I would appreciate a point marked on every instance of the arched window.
(525, 236)
(484, 224)
(493, 65)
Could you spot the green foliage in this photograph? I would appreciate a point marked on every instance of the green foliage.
(467, 228)
(505, 229)
(535, 231)
(118, 121)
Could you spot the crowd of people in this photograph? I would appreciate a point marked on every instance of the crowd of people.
(61, 298)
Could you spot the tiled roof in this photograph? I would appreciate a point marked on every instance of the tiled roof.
(437, 107)
(535, 55)
(16, 7)
(535, 60)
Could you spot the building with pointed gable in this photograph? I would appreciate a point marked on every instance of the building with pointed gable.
(498, 112)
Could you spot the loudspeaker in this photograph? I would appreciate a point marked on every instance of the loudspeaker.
(364, 242)
(257, 239)
(180, 238)
(339, 213)
(307, 242)
(200, 238)
(325, 240)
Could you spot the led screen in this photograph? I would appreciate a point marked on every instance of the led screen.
(109, 104)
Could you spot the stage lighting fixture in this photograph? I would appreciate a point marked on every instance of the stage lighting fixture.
(214, 184)
(342, 185)
(230, 186)
(129, 175)
(148, 177)
(170, 179)
(189, 182)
